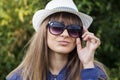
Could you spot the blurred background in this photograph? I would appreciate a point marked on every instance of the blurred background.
(16, 30)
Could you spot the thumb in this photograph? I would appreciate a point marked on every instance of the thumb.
(78, 43)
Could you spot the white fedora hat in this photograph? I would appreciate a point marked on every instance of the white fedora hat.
(55, 6)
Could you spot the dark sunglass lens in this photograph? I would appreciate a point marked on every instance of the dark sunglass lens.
(75, 31)
(55, 30)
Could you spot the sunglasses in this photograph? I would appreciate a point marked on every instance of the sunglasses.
(57, 28)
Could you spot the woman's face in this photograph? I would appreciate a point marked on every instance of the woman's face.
(62, 43)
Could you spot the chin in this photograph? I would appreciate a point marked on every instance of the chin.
(64, 50)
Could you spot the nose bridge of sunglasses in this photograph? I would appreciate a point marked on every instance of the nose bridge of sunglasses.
(65, 32)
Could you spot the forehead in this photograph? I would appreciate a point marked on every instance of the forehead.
(66, 18)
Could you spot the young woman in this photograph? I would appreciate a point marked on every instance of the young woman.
(56, 51)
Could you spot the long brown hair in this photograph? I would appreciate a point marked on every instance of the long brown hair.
(36, 62)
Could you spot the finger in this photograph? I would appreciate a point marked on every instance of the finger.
(78, 43)
(87, 33)
(88, 36)
(85, 29)
(98, 41)
(95, 40)
(92, 39)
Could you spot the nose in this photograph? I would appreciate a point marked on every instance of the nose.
(65, 33)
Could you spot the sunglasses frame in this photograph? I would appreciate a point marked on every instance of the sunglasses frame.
(69, 28)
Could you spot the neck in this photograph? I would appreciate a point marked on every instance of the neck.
(57, 62)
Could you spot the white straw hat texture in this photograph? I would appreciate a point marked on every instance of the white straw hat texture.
(55, 6)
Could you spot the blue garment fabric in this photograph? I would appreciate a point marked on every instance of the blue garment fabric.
(86, 74)
(15, 76)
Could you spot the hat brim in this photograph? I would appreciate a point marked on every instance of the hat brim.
(41, 15)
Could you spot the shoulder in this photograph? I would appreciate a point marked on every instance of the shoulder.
(93, 73)
(101, 73)
(14, 76)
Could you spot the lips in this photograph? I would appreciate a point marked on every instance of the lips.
(63, 42)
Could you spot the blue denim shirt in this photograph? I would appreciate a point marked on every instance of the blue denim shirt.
(86, 74)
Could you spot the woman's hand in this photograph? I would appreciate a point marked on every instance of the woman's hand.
(86, 53)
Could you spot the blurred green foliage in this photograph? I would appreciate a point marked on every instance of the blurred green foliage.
(16, 30)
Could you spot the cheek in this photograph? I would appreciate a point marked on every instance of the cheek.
(50, 39)
(73, 43)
